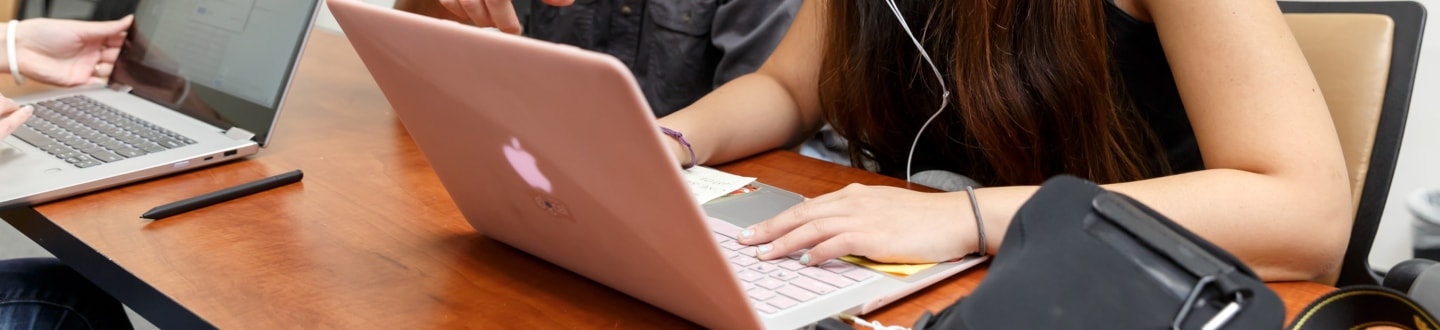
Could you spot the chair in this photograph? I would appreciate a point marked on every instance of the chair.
(1364, 56)
(23, 8)
(9, 9)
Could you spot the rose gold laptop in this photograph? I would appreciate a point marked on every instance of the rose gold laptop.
(552, 149)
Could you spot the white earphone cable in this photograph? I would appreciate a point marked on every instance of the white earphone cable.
(876, 325)
(944, 91)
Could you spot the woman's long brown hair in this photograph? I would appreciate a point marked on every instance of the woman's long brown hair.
(1035, 93)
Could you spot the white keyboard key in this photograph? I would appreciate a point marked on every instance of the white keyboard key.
(749, 276)
(732, 245)
(770, 283)
(723, 228)
(781, 302)
(760, 294)
(837, 266)
(860, 274)
(812, 285)
(763, 268)
(827, 277)
(791, 264)
(764, 307)
(743, 261)
(784, 275)
(794, 293)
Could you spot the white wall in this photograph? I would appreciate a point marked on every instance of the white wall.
(326, 21)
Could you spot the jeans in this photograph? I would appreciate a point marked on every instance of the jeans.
(43, 293)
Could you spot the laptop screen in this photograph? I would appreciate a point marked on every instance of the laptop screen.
(226, 62)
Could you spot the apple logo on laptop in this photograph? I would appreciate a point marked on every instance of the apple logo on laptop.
(524, 164)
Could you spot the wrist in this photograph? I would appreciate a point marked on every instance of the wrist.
(12, 51)
(982, 245)
(680, 148)
(677, 150)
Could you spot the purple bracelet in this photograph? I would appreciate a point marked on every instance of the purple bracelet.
(681, 138)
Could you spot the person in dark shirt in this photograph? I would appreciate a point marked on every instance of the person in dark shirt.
(678, 50)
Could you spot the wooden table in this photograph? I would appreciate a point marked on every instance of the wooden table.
(369, 239)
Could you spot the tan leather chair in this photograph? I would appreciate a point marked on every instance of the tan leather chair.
(1364, 56)
(9, 10)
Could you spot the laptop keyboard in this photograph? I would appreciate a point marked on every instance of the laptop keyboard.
(783, 283)
(85, 133)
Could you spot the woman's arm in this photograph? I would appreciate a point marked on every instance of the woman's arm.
(66, 52)
(1275, 191)
(773, 107)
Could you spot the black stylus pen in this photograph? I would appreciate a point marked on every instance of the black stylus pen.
(222, 195)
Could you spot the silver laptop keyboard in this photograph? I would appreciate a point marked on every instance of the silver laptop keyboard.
(782, 283)
(85, 133)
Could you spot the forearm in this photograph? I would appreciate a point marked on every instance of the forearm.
(773, 107)
(1285, 227)
(749, 115)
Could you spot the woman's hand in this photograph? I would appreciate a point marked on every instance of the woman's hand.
(885, 224)
(499, 14)
(12, 116)
(69, 53)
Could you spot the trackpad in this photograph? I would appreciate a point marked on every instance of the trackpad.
(753, 207)
(6, 149)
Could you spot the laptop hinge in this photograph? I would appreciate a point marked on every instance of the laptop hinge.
(123, 88)
(238, 133)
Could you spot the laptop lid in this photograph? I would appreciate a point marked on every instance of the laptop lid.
(225, 62)
(552, 150)
(570, 170)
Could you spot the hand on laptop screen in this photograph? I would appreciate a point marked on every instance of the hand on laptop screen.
(496, 14)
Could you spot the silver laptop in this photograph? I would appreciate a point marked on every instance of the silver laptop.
(552, 149)
(198, 82)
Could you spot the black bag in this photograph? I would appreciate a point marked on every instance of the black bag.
(1077, 256)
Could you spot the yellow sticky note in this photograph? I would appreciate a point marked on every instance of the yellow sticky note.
(895, 269)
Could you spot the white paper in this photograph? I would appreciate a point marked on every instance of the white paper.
(707, 183)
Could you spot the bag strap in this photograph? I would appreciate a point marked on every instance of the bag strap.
(1150, 230)
(1362, 306)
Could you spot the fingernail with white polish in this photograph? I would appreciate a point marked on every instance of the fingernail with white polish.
(805, 259)
(747, 233)
(760, 250)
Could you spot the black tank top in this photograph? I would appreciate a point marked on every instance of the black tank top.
(1135, 47)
